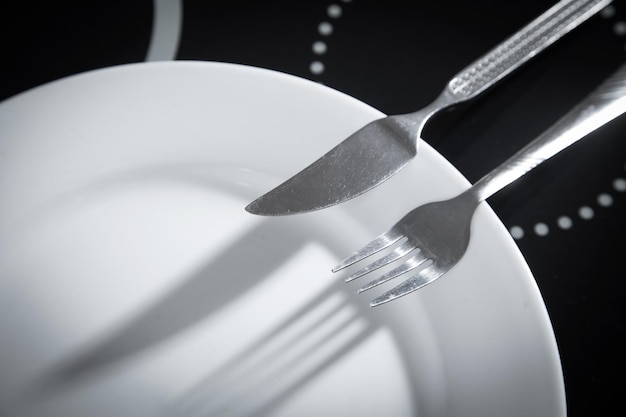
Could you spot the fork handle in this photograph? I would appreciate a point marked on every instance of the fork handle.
(522, 46)
(604, 104)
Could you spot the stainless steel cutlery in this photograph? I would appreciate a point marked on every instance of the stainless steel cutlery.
(432, 238)
(380, 149)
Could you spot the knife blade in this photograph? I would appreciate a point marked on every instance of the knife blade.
(380, 149)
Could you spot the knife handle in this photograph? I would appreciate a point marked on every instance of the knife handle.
(522, 46)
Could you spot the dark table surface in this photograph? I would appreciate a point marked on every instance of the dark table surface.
(568, 216)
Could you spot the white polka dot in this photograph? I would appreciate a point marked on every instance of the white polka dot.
(325, 28)
(334, 11)
(619, 184)
(608, 12)
(517, 232)
(564, 222)
(585, 212)
(542, 229)
(619, 28)
(319, 47)
(605, 200)
(317, 67)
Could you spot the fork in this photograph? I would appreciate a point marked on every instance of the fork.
(436, 235)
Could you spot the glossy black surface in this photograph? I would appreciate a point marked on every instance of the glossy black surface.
(396, 56)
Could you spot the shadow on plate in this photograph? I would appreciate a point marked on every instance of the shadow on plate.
(267, 372)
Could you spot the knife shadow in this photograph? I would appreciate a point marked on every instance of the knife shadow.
(193, 300)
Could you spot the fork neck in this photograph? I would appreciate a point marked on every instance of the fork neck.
(604, 104)
(470, 197)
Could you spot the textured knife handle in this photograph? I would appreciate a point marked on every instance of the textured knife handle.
(522, 46)
(604, 104)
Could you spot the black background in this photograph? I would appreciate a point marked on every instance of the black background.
(397, 56)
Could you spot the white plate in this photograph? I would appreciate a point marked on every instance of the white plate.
(132, 281)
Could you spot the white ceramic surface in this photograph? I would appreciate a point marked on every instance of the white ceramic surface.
(133, 283)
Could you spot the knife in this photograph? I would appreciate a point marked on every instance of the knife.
(381, 148)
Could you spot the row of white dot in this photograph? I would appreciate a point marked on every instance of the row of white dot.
(325, 29)
(619, 28)
(334, 11)
(584, 212)
(603, 200)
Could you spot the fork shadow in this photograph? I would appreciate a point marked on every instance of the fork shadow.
(274, 367)
(195, 299)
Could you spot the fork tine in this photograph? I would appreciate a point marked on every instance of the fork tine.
(421, 279)
(397, 253)
(413, 262)
(381, 242)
